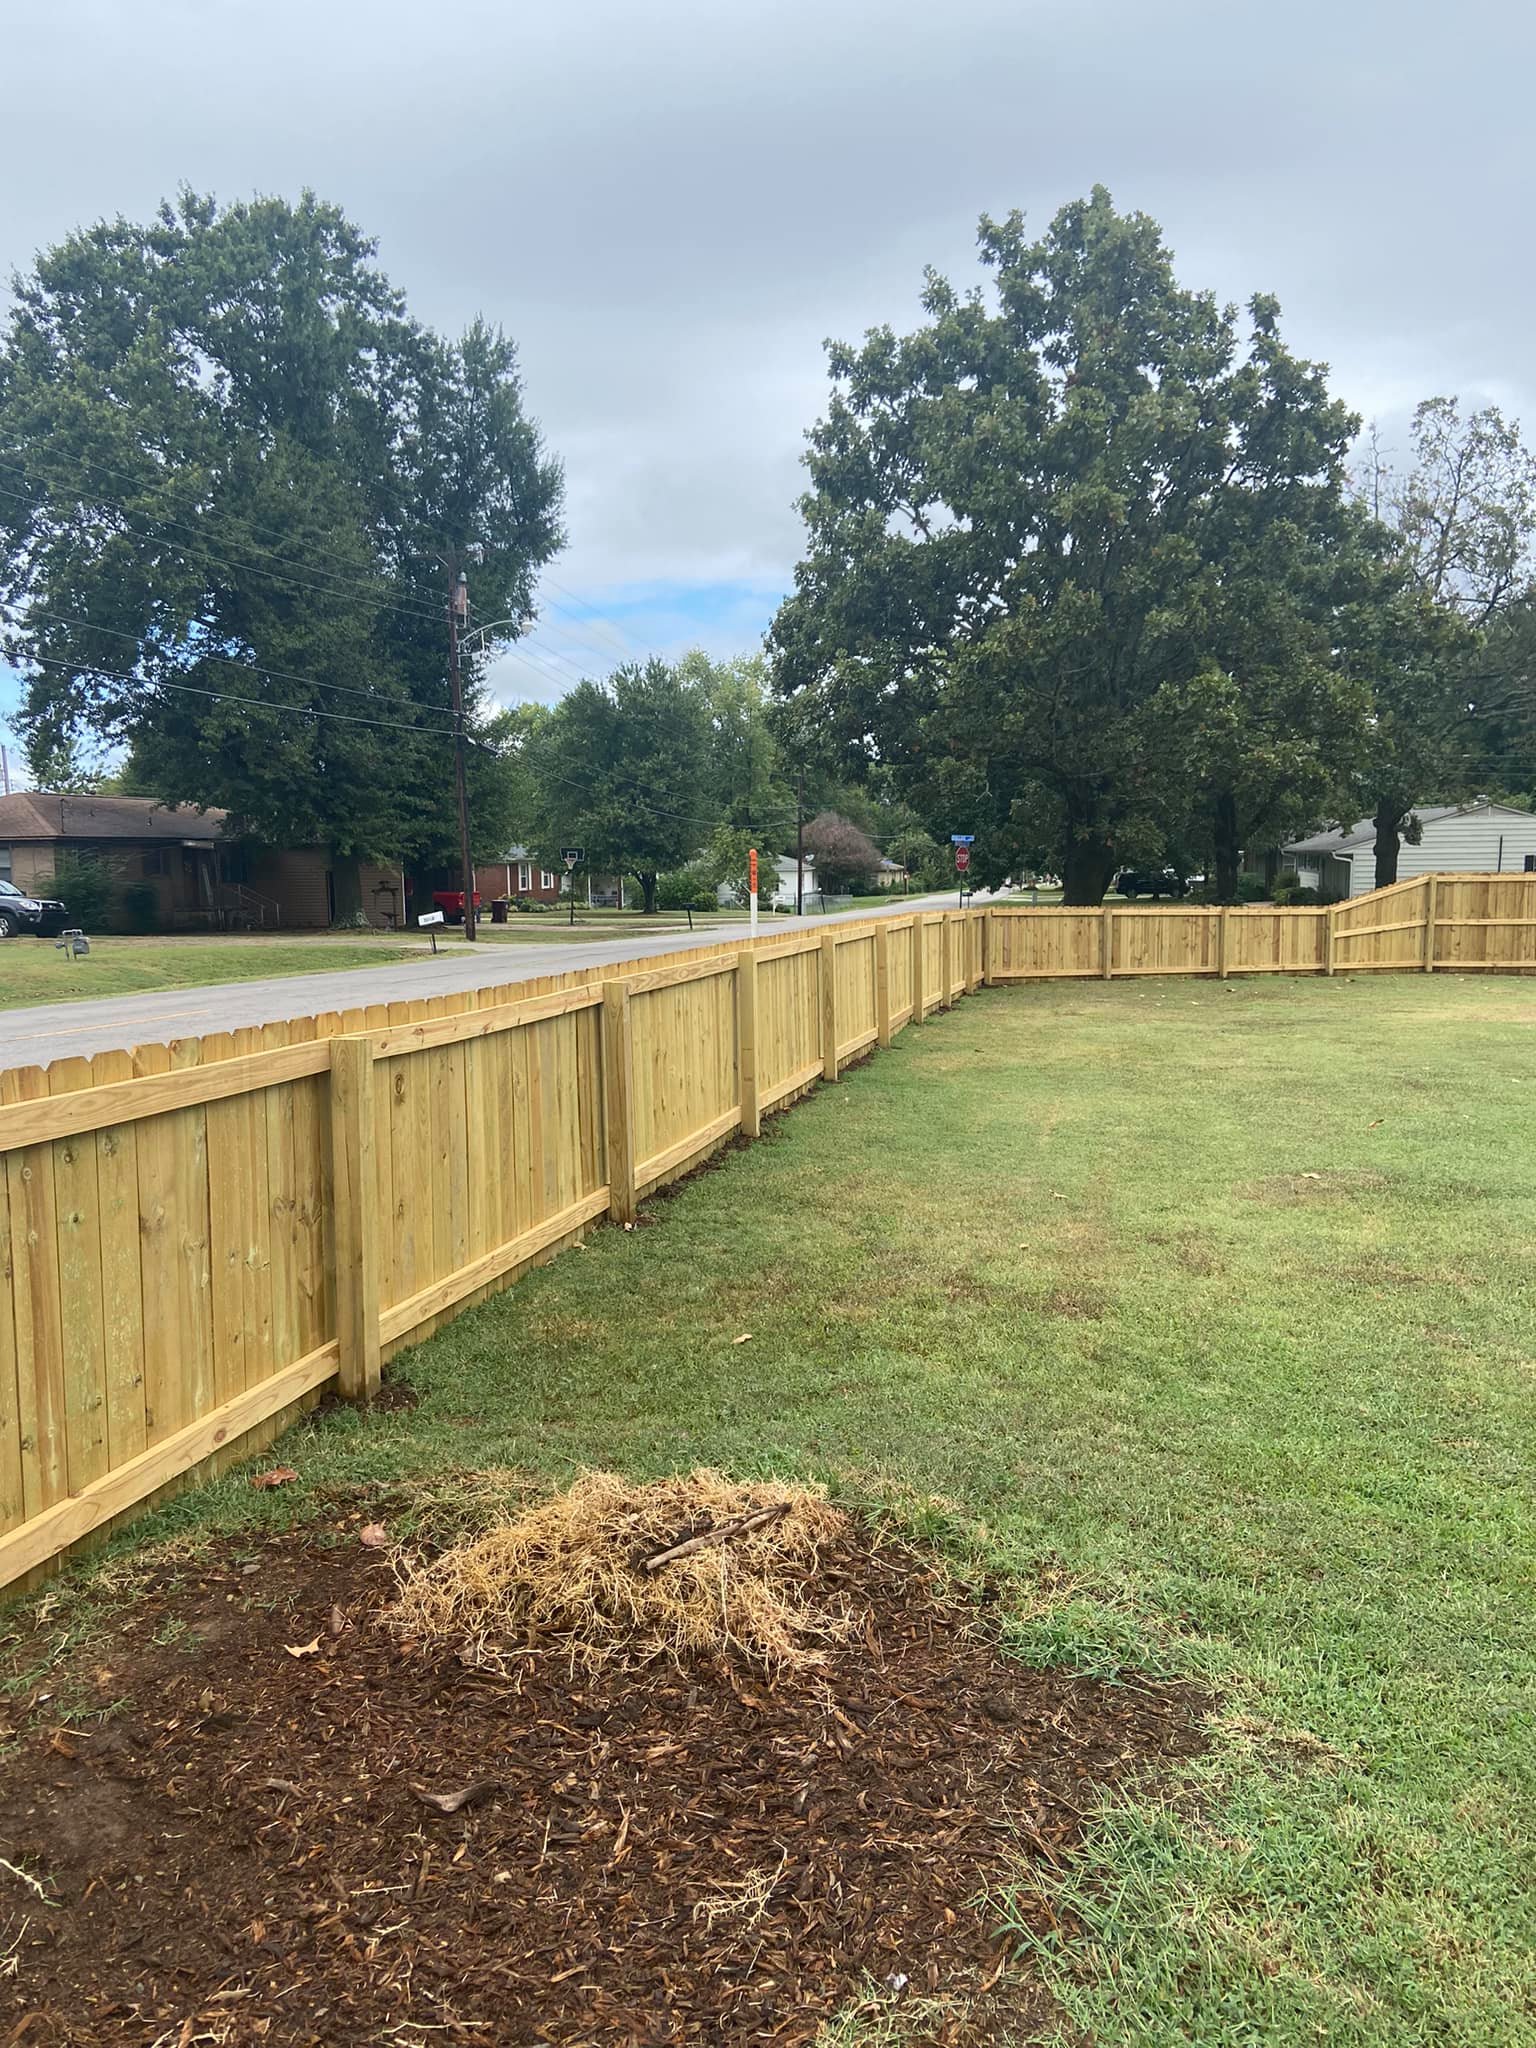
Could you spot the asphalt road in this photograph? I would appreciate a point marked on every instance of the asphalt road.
(50, 1031)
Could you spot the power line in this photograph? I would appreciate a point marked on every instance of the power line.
(229, 697)
(334, 581)
(341, 582)
(610, 625)
(227, 660)
(286, 577)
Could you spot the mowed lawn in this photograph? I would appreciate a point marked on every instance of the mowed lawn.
(1204, 1313)
(35, 971)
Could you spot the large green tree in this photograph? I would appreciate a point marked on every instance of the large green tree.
(1042, 509)
(1445, 653)
(618, 768)
(236, 481)
(745, 786)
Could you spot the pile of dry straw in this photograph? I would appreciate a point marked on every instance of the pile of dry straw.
(569, 1573)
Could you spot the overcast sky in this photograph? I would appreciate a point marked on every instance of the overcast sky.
(670, 205)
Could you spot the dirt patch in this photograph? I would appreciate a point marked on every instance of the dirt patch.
(236, 1849)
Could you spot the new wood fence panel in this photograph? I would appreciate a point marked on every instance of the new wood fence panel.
(1384, 929)
(788, 1021)
(1262, 939)
(1043, 944)
(856, 1006)
(899, 945)
(685, 1085)
(1166, 940)
(37, 1322)
(12, 1501)
(1485, 921)
(932, 991)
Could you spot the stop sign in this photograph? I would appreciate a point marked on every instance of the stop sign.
(962, 859)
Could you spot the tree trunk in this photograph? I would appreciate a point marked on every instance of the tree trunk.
(1087, 872)
(648, 893)
(1388, 841)
(1229, 853)
(346, 889)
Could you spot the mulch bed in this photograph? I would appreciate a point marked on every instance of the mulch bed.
(236, 1849)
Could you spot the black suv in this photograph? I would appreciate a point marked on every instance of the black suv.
(42, 915)
(1153, 882)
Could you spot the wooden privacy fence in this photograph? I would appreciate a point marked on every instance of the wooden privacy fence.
(1448, 921)
(197, 1238)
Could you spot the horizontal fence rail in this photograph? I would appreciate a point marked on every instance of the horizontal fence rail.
(198, 1238)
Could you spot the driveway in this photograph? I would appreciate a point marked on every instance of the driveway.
(50, 1031)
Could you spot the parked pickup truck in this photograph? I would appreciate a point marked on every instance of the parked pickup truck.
(451, 903)
(44, 916)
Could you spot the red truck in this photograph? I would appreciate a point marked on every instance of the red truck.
(451, 903)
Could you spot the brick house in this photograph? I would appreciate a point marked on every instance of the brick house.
(517, 873)
(202, 878)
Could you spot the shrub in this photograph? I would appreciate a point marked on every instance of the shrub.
(685, 889)
(1291, 890)
(84, 885)
(1251, 889)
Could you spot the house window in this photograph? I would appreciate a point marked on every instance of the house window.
(5, 863)
(546, 879)
(524, 878)
(156, 861)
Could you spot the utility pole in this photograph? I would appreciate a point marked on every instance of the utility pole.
(800, 843)
(458, 613)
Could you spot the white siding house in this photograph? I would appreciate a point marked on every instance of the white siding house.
(775, 885)
(1479, 838)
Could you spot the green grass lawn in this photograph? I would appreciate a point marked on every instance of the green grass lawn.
(1204, 1313)
(33, 971)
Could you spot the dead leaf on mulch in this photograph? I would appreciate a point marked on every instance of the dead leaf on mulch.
(280, 1475)
(303, 1649)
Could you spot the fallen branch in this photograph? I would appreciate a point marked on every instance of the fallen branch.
(743, 1525)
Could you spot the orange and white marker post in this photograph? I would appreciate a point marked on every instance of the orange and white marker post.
(752, 886)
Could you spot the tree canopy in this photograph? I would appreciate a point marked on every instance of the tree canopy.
(1446, 657)
(1043, 524)
(618, 768)
(235, 480)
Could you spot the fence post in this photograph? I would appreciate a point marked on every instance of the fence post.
(1107, 940)
(1431, 893)
(946, 960)
(355, 1214)
(829, 1005)
(986, 949)
(1221, 942)
(973, 977)
(618, 1128)
(1328, 915)
(746, 1041)
(919, 966)
(882, 985)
